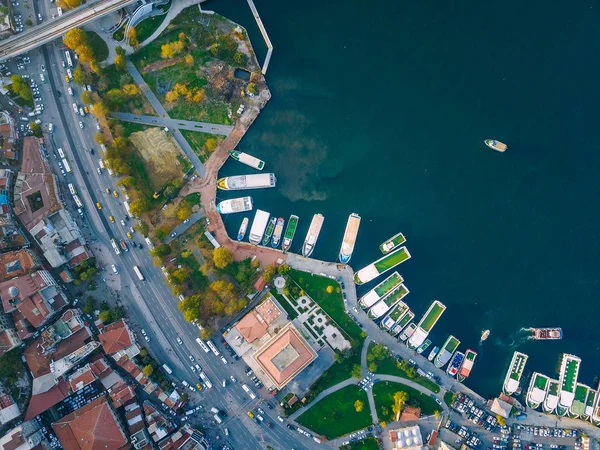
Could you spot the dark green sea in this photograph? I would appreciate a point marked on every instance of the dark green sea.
(381, 108)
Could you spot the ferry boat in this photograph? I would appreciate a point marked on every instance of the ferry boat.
(259, 224)
(589, 404)
(446, 352)
(290, 231)
(433, 353)
(577, 409)
(235, 205)
(552, 397)
(394, 316)
(386, 303)
(349, 238)
(408, 332)
(254, 181)
(514, 373)
(424, 346)
(247, 159)
(312, 235)
(392, 243)
(269, 232)
(278, 232)
(495, 145)
(402, 322)
(426, 323)
(485, 335)
(380, 291)
(455, 364)
(569, 371)
(382, 265)
(242, 230)
(538, 389)
(546, 333)
(467, 365)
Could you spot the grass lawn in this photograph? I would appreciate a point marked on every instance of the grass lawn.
(336, 416)
(198, 142)
(98, 46)
(212, 111)
(292, 314)
(383, 393)
(449, 398)
(146, 27)
(369, 443)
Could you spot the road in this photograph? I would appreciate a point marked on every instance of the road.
(49, 30)
(182, 227)
(191, 125)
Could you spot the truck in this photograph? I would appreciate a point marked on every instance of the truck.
(218, 419)
(136, 269)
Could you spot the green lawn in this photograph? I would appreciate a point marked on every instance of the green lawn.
(383, 393)
(198, 142)
(292, 314)
(146, 27)
(369, 443)
(98, 46)
(336, 416)
(211, 111)
(448, 398)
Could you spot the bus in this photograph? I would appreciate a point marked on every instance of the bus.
(66, 165)
(115, 246)
(126, 205)
(167, 369)
(61, 153)
(202, 345)
(212, 347)
(68, 55)
(77, 201)
(136, 269)
(72, 189)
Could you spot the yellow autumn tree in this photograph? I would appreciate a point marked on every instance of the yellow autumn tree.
(172, 96)
(198, 96)
(189, 60)
(132, 37)
(130, 89)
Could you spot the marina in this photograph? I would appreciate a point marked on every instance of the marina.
(394, 316)
(349, 239)
(402, 322)
(386, 303)
(240, 182)
(243, 229)
(426, 323)
(446, 352)
(392, 243)
(312, 235)
(235, 205)
(514, 373)
(269, 232)
(381, 266)
(569, 371)
(467, 365)
(247, 159)
(259, 224)
(538, 388)
(424, 346)
(278, 232)
(551, 400)
(290, 231)
(408, 332)
(380, 291)
(455, 364)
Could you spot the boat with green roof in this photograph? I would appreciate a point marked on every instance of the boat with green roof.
(247, 159)
(386, 303)
(392, 243)
(380, 291)
(551, 400)
(382, 265)
(429, 319)
(290, 231)
(577, 409)
(446, 352)
(569, 371)
(514, 373)
(269, 232)
(408, 332)
(538, 389)
(394, 316)
(403, 322)
(589, 404)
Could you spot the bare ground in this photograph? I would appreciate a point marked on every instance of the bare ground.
(160, 152)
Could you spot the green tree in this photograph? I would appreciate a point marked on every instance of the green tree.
(82, 77)
(372, 367)
(90, 305)
(147, 370)
(161, 250)
(36, 129)
(170, 191)
(21, 87)
(357, 371)
(358, 406)
(240, 58)
(142, 227)
(400, 398)
(86, 97)
(206, 333)
(139, 206)
(222, 257)
(179, 275)
(104, 316)
(252, 88)
(100, 138)
(115, 99)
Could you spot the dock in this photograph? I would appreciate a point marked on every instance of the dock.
(265, 36)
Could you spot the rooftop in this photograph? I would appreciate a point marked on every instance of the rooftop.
(406, 438)
(117, 340)
(17, 263)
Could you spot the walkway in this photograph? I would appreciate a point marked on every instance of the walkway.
(263, 31)
(190, 125)
(182, 227)
(176, 8)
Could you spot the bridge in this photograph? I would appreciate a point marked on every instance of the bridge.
(52, 29)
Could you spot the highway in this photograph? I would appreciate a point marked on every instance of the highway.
(150, 304)
(49, 30)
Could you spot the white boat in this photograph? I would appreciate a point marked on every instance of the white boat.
(235, 205)
(254, 181)
(259, 224)
(312, 235)
(349, 238)
(247, 159)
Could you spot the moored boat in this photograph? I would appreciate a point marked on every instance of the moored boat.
(261, 219)
(235, 205)
(382, 265)
(349, 238)
(514, 373)
(386, 303)
(426, 323)
(538, 389)
(551, 401)
(290, 231)
(402, 322)
(433, 353)
(278, 232)
(313, 234)
(446, 352)
(269, 232)
(253, 181)
(496, 145)
(408, 332)
(380, 291)
(247, 159)
(569, 372)
(424, 346)
(455, 364)
(542, 334)
(467, 365)
(392, 243)
(243, 228)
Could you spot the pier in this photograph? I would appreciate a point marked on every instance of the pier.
(265, 36)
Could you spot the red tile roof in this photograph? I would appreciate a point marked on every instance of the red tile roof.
(5, 342)
(251, 326)
(91, 427)
(41, 402)
(115, 337)
(410, 413)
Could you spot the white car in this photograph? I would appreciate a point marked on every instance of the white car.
(81, 124)
(179, 341)
(50, 127)
(232, 378)
(98, 126)
(70, 90)
(114, 269)
(75, 108)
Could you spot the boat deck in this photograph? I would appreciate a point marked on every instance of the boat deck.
(388, 284)
(569, 372)
(432, 315)
(392, 260)
(392, 243)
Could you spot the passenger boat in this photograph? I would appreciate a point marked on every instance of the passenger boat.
(278, 232)
(290, 231)
(312, 235)
(467, 365)
(542, 334)
(247, 159)
(349, 238)
(243, 228)
(269, 232)
(455, 364)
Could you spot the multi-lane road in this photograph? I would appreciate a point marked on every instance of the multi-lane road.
(150, 303)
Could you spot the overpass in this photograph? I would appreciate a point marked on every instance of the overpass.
(52, 29)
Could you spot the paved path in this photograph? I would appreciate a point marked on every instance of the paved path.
(265, 36)
(323, 394)
(191, 125)
(182, 227)
(162, 112)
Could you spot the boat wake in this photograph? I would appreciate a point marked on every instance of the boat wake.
(522, 336)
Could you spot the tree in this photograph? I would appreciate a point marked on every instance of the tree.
(214, 49)
(400, 398)
(21, 87)
(82, 77)
(356, 371)
(161, 250)
(28, 22)
(139, 206)
(119, 50)
(120, 62)
(211, 144)
(171, 96)
(132, 37)
(36, 129)
(100, 110)
(75, 38)
(372, 367)
(240, 58)
(189, 60)
(329, 289)
(206, 333)
(269, 273)
(179, 275)
(501, 420)
(184, 211)
(104, 316)
(69, 3)
(251, 88)
(147, 370)
(99, 138)
(358, 406)
(115, 99)
(436, 414)
(142, 227)
(86, 97)
(86, 54)
(131, 89)
(197, 96)
(90, 305)
(222, 257)
(171, 49)
(382, 424)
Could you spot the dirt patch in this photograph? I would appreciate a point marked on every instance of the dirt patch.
(161, 64)
(160, 152)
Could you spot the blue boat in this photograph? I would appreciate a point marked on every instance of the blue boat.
(455, 364)
(242, 230)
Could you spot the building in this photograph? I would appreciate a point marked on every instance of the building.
(271, 345)
(7, 125)
(93, 426)
(8, 409)
(410, 413)
(118, 341)
(11, 236)
(186, 438)
(500, 407)
(26, 436)
(134, 416)
(88, 374)
(158, 425)
(9, 338)
(408, 438)
(17, 263)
